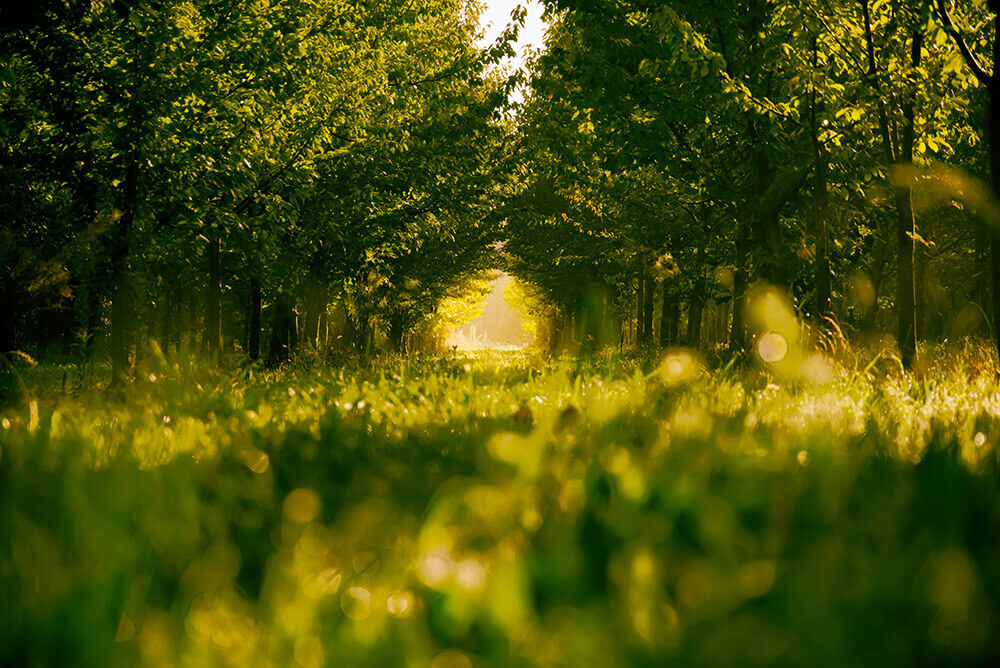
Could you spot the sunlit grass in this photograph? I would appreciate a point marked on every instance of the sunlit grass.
(504, 508)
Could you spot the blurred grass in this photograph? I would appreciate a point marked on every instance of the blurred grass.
(505, 509)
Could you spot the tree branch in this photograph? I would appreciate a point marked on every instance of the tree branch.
(833, 34)
(242, 206)
(970, 58)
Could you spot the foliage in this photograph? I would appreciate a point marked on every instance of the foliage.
(183, 159)
(756, 140)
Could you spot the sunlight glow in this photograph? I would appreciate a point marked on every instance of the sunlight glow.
(496, 16)
(498, 327)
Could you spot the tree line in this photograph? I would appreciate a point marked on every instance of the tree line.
(254, 176)
(838, 149)
(244, 175)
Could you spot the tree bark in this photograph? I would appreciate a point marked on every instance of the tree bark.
(905, 332)
(696, 309)
(877, 274)
(324, 327)
(349, 337)
(316, 299)
(983, 273)
(647, 310)
(363, 334)
(122, 311)
(640, 332)
(905, 295)
(763, 235)
(821, 209)
(668, 312)
(737, 330)
(213, 296)
(253, 326)
(994, 137)
(396, 332)
(166, 309)
(283, 330)
(121, 298)
(611, 325)
(921, 324)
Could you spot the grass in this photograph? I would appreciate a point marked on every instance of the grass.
(505, 509)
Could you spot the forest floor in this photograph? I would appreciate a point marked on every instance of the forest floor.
(504, 509)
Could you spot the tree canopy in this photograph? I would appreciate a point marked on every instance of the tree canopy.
(331, 171)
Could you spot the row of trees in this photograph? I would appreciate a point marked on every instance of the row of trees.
(682, 151)
(207, 170)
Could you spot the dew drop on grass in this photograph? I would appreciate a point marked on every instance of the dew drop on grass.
(470, 575)
(772, 347)
(356, 603)
(302, 505)
(365, 561)
(256, 460)
(309, 652)
(433, 569)
(398, 603)
(323, 584)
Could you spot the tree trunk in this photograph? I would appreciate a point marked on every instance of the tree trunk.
(905, 304)
(696, 306)
(192, 319)
(283, 330)
(611, 326)
(905, 332)
(668, 310)
(905, 296)
(695, 310)
(983, 274)
(647, 310)
(363, 332)
(763, 227)
(396, 332)
(994, 136)
(821, 209)
(316, 298)
(902, 192)
(877, 274)
(322, 304)
(921, 323)
(772, 195)
(640, 332)
(324, 323)
(228, 326)
(93, 317)
(349, 332)
(122, 312)
(213, 296)
(121, 298)
(737, 330)
(253, 326)
(166, 309)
